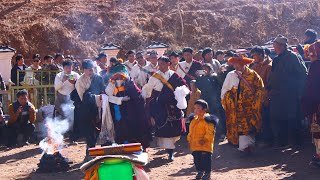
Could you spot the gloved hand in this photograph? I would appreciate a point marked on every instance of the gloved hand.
(126, 98)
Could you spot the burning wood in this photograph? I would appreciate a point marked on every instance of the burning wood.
(51, 159)
(53, 163)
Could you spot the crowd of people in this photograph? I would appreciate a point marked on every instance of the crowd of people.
(222, 95)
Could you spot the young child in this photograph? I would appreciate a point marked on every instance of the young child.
(194, 96)
(201, 138)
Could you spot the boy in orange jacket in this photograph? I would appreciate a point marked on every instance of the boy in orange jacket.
(201, 138)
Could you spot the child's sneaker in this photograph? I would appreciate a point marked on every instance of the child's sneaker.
(206, 176)
(199, 175)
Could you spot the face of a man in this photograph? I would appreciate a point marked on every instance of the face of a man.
(208, 56)
(278, 48)
(220, 57)
(49, 61)
(131, 57)
(174, 60)
(23, 100)
(88, 72)
(238, 67)
(67, 69)
(140, 59)
(59, 59)
(257, 57)
(163, 66)
(36, 62)
(153, 59)
(306, 38)
(104, 60)
(188, 56)
(20, 62)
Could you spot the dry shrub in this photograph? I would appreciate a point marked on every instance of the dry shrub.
(81, 27)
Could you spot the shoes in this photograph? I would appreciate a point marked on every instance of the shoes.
(199, 175)
(170, 153)
(222, 138)
(206, 176)
(171, 157)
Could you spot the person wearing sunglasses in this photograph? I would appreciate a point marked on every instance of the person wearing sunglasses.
(30, 77)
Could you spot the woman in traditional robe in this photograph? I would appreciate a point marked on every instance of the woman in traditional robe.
(86, 97)
(127, 109)
(311, 98)
(167, 90)
(242, 97)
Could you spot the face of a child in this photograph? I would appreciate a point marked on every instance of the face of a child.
(198, 110)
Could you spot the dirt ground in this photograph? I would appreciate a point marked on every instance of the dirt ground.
(21, 163)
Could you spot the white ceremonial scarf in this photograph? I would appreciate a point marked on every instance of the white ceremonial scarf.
(82, 84)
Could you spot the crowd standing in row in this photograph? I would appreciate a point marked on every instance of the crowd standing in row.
(259, 99)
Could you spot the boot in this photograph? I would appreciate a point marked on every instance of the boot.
(88, 157)
(170, 153)
(199, 175)
(206, 176)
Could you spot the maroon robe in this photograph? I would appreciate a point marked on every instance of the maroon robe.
(311, 99)
(133, 126)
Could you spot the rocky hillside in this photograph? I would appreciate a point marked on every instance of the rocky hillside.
(80, 27)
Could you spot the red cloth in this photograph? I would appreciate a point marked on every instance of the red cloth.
(311, 98)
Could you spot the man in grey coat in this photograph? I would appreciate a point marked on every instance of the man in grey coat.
(285, 85)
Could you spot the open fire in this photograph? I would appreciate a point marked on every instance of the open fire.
(51, 159)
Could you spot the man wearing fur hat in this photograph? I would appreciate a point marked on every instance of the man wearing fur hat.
(242, 97)
(285, 86)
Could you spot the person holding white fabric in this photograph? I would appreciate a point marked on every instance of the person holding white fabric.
(167, 91)
(87, 101)
(127, 110)
(64, 84)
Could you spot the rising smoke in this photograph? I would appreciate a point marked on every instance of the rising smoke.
(55, 128)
